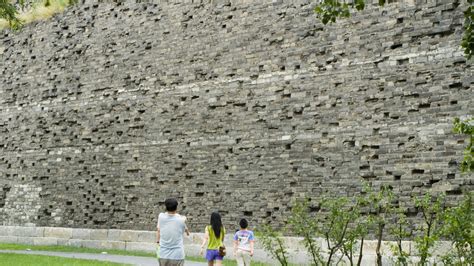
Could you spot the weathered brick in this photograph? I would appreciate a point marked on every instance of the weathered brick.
(240, 107)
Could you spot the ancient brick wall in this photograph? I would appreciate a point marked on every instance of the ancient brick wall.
(235, 106)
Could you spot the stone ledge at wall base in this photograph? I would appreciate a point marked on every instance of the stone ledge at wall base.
(133, 240)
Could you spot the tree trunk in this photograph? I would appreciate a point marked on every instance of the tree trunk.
(359, 261)
(379, 243)
(331, 253)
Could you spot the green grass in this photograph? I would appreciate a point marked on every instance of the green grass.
(6, 246)
(40, 260)
(225, 262)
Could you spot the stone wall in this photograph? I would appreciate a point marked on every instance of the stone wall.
(144, 241)
(236, 106)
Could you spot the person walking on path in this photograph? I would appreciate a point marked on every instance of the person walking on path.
(169, 235)
(243, 244)
(214, 235)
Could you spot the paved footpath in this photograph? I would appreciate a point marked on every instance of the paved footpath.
(133, 260)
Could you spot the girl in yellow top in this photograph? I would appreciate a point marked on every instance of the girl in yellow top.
(213, 230)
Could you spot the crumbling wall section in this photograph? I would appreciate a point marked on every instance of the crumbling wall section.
(232, 106)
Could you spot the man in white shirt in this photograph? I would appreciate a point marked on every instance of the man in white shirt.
(169, 235)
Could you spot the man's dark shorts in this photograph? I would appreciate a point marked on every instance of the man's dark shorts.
(168, 262)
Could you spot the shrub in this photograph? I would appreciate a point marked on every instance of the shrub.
(272, 242)
(307, 227)
(459, 228)
(431, 208)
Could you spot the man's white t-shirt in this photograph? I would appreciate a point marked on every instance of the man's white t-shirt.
(172, 227)
(244, 237)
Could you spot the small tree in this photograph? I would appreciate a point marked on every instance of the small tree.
(459, 228)
(342, 226)
(272, 241)
(357, 232)
(432, 210)
(379, 209)
(337, 225)
(399, 230)
(306, 226)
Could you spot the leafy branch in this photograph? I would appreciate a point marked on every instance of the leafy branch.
(459, 228)
(272, 241)
(9, 12)
(466, 127)
(432, 210)
(468, 41)
(307, 227)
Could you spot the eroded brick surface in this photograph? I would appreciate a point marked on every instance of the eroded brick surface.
(234, 106)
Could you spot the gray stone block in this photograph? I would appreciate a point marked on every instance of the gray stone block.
(8, 239)
(45, 241)
(28, 232)
(58, 232)
(128, 235)
(4, 230)
(79, 233)
(98, 244)
(26, 240)
(75, 242)
(39, 232)
(63, 241)
(196, 238)
(113, 234)
(116, 245)
(98, 234)
(146, 237)
(140, 246)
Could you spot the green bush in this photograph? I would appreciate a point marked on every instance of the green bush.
(432, 210)
(459, 228)
(399, 229)
(304, 225)
(272, 241)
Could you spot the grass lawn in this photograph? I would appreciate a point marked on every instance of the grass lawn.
(226, 262)
(6, 246)
(39, 260)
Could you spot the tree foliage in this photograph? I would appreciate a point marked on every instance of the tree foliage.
(338, 229)
(17, 12)
(272, 241)
(380, 203)
(340, 216)
(459, 227)
(466, 127)
(306, 226)
(399, 229)
(432, 210)
(9, 12)
(468, 41)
